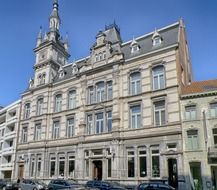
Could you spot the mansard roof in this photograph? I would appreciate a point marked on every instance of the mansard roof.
(200, 88)
(169, 35)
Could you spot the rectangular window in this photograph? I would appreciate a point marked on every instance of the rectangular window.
(159, 113)
(38, 171)
(24, 134)
(193, 143)
(135, 83)
(72, 99)
(70, 127)
(155, 161)
(158, 74)
(52, 166)
(109, 90)
(58, 103)
(213, 109)
(100, 92)
(71, 166)
(27, 111)
(215, 136)
(38, 132)
(40, 106)
(61, 166)
(190, 112)
(109, 167)
(99, 122)
(32, 171)
(89, 124)
(91, 95)
(142, 163)
(56, 130)
(109, 121)
(135, 117)
(131, 164)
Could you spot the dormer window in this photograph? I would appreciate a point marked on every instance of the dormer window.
(156, 41)
(156, 38)
(100, 56)
(61, 74)
(134, 46)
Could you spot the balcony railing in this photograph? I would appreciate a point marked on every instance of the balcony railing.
(212, 151)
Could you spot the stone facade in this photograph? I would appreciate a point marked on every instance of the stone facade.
(113, 115)
(9, 121)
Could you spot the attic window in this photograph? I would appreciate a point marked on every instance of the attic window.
(100, 56)
(157, 41)
(135, 48)
(61, 74)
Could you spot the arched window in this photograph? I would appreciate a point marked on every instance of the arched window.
(43, 78)
(72, 99)
(58, 103)
(135, 83)
(100, 91)
(158, 77)
(39, 110)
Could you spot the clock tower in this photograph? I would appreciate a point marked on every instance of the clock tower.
(51, 51)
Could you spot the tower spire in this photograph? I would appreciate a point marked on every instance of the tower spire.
(54, 17)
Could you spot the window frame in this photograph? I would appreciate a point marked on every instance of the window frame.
(136, 84)
(158, 76)
(138, 125)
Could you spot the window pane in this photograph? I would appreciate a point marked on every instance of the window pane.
(71, 168)
(52, 168)
(61, 167)
(109, 167)
(131, 167)
(142, 164)
(158, 77)
(155, 166)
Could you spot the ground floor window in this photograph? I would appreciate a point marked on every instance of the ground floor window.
(52, 166)
(61, 165)
(38, 171)
(109, 167)
(155, 163)
(196, 179)
(142, 163)
(131, 164)
(71, 166)
(32, 167)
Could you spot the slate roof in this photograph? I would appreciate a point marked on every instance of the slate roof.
(168, 34)
(169, 37)
(200, 87)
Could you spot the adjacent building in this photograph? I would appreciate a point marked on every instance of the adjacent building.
(199, 128)
(9, 121)
(113, 115)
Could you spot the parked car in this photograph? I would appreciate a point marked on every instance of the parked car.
(29, 184)
(153, 186)
(63, 184)
(104, 185)
(8, 185)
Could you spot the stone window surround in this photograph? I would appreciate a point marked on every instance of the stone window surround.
(131, 104)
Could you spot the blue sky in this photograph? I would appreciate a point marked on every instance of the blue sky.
(82, 19)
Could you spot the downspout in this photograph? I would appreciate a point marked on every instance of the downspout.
(205, 129)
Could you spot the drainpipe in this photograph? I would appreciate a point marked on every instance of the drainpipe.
(205, 129)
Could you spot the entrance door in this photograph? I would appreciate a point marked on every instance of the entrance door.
(97, 169)
(214, 177)
(20, 172)
(173, 174)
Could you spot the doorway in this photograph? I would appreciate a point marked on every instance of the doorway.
(172, 171)
(214, 177)
(97, 169)
(20, 171)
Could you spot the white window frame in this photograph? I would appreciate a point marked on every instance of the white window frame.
(27, 109)
(38, 131)
(158, 76)
(56, 129)
(160, 112)
(136, 115)
(58, 102)
(40, 102)
(24, 134)
(190, 112)
(109, 90)
(100, 92)
(135, 84)
(72, 99)
(213, 110)
(70, 127)
(192, 138)
(100, 122)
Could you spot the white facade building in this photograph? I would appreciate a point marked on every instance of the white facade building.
(9, 118)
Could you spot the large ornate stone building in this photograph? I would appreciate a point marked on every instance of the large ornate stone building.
(112, 115)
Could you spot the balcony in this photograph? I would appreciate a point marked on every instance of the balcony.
(212, 152)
